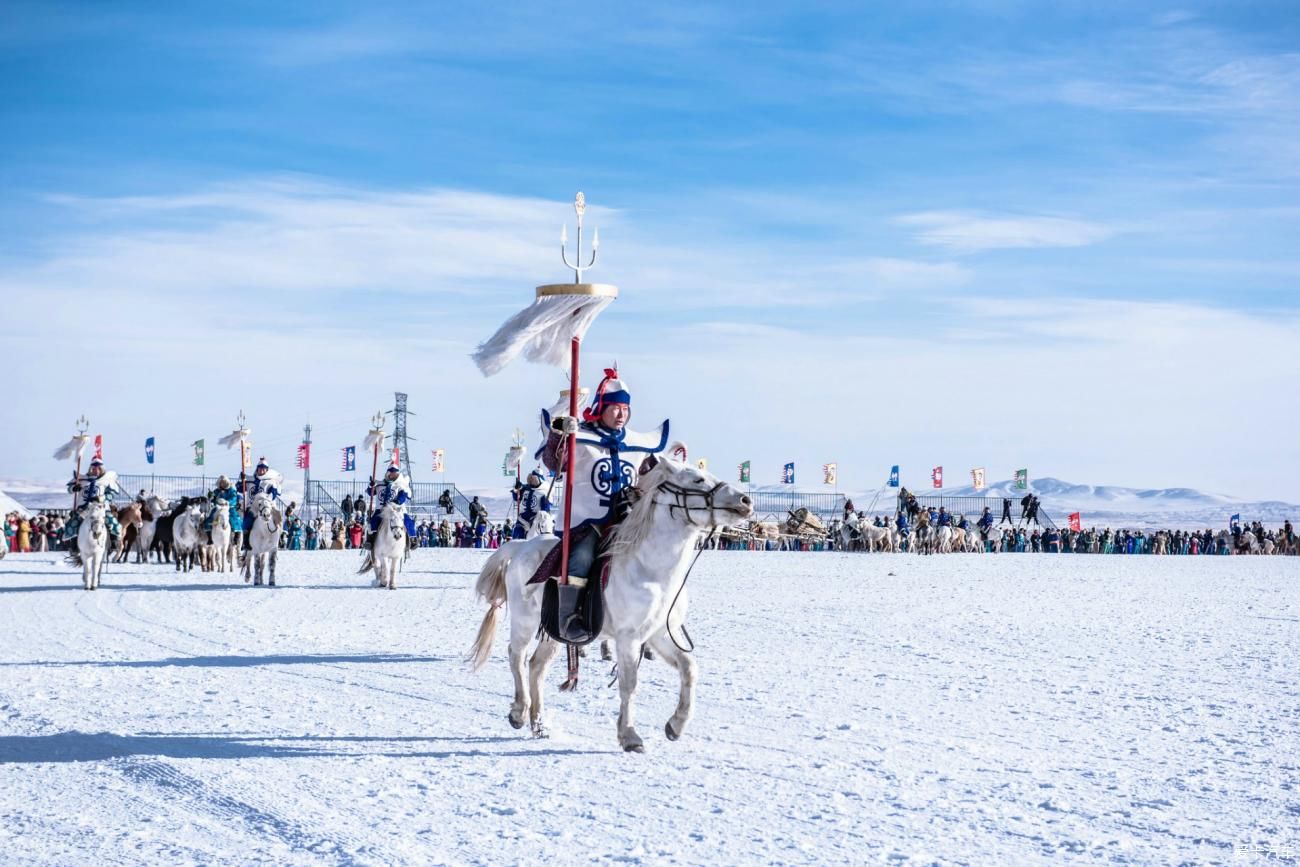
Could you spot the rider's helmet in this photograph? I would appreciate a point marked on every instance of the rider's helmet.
(534, 479)
(262, 467)
(96, 468)
(610, 391)
(223, 482)
(393, 470)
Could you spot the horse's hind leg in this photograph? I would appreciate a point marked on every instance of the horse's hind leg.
(519, 707)
(537, 666)
(685, 665)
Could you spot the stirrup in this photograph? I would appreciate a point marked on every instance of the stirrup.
(571, 614)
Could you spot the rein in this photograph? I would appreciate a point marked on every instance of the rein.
(681, 500)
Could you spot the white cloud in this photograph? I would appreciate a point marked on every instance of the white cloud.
(968, 232)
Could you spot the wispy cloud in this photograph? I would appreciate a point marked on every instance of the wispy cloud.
(967, 232)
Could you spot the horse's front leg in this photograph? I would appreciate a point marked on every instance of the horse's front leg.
(537, 666)
(271, 567)
(685, 665)
(629, 657)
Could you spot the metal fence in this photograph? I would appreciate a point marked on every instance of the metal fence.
(326, 498)
(973, 507)
(167, 487)
(778, 504)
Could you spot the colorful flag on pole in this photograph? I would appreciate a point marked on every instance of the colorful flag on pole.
(198, 452)
(1022, 479)
(977, 478)
(787, 474)
(349, 462)
(437, 460)
(245, 455)
(304, 456)
(1076, 522)
(397, 456)
(702, 464)
(744, 473)
(99, 446)
(505, 466)
(936, 475)
(893, 476)
(1235, 519)
(829, 473)
(148, 450)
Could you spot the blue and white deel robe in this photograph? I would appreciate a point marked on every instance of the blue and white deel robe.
(605, 463)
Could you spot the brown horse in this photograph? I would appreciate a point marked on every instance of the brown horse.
(132, 519)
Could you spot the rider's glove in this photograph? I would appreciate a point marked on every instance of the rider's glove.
(565, 424)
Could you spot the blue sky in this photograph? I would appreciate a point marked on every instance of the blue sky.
(990, 234)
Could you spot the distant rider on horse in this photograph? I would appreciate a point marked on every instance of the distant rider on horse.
(264, 482)
(606, 465)
(532, 502)
(390, 489)
(92, 490)
(224, 496)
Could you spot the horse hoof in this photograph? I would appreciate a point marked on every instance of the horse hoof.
(514, 723)
(668, 730)
(634, 748)
(541, 732)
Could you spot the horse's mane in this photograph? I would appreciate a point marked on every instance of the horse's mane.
(635, 528)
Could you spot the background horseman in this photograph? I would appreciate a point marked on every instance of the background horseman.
(531, 501)
(93, 488)
(393, 488)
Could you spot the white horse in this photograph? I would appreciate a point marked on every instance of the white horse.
(92, 544)
(390, 546)
(543, 525)
(218, 552)
(187, 537)
(263, 540)
(645, 602)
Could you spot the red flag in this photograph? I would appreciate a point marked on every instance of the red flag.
(304, 456)
(1076, 522)
(99, 446)
(937, 476)
(397, 456)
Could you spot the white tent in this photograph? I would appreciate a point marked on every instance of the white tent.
(9, 504)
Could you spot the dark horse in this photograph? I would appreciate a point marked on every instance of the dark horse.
(162, 536)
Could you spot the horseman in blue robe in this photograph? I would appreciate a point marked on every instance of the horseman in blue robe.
(532, 502)
(606, 465)
(93, 488)
(392, 488)
(224, 496)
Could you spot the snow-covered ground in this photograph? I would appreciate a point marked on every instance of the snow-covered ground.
(977, 709)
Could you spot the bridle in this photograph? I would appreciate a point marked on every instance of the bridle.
(681, 501)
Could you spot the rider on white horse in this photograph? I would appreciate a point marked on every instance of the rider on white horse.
(93, 490)
(607, 462)
(393, 488)
(265, 481)
(224, 496)
(532, 502)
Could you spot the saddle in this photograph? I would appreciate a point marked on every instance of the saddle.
(570, 614)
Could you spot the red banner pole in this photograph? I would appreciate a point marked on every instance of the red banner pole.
(569, 460)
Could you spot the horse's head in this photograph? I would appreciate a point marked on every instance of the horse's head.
(94, 515)
(684, 495)
(396, 513)
(264, 507)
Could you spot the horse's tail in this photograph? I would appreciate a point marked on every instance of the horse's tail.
(491, 588)
(368, 564)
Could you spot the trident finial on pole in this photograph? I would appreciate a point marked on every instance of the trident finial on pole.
(580, 208)
(82, 424)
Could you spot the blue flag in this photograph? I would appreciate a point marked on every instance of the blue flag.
(148, 450)
(893, 476)
(349, 459)
(787, 475)
(1235, 519)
